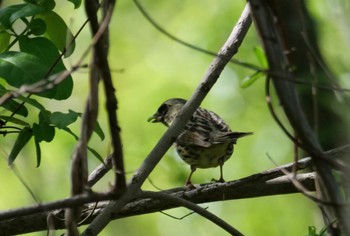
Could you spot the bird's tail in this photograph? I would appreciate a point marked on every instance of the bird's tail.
(239, 134)
(231, 136)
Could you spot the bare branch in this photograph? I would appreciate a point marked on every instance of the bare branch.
(228, 50)
(201, 211)
(32, 219)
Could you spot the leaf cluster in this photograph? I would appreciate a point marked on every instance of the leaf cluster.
(34, 39)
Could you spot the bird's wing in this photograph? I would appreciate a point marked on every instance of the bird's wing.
(194, 136)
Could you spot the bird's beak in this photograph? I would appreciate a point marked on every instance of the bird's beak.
(155, 118)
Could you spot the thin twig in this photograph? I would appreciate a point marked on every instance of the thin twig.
(201, 211)
(216, 67)
(192, 46)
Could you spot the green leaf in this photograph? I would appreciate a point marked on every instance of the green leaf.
(26, 10)
(32, 102)
(96, 154)
(5, 14)
(15, 107)
(98, 130)
(76, 3)
(38, 153)
(17, 68)
(22, 139)
(249, 80)
(12, 105)
(58, 32)
(4, 40)
(312, 231)
(93, 151)
(46, 51)
(260, 55)
(44, 131)
(62, 120)
(48, 4)
(14, 120)
(37, 27)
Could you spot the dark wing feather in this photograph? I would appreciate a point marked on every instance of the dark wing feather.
(202, 128)
(206, 128)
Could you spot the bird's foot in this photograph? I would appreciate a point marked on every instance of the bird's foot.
(221, 180)
(189, 185)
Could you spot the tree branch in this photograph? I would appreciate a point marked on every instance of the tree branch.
(201, 211)
(266, 183)
(32, 219)
(267, 24)
(228, 50)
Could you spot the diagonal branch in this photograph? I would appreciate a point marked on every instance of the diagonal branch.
(226, 53)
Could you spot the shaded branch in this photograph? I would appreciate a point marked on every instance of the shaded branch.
(226, 53)
(32, 219)
(266, 183)
(271, 34)
(199, 210)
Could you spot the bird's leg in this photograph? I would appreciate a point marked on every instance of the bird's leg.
(221, 180)
(188, 181)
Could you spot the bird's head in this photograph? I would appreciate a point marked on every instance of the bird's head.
(167, 112)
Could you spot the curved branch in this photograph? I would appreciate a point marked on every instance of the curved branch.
(201, 211)
(226, 53)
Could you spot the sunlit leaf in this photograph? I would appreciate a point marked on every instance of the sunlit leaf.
(249, 80)
(260, 55)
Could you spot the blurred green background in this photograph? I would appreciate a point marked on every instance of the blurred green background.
(149, 68)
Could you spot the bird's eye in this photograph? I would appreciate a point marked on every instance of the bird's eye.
(163, 109)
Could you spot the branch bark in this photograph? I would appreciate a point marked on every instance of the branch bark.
(272, 38)
(226, 53)
(267, 183)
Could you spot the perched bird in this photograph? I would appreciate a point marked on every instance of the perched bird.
(206, 141)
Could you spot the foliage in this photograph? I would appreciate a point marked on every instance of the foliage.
(36, 68)
(150, 74)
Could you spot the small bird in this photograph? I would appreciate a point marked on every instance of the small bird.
(206, 141)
